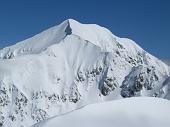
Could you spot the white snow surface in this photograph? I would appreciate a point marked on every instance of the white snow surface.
(131, 112)
(72, 65)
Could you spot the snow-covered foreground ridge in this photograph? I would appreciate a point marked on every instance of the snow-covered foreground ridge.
(131, 112)
(71, 65)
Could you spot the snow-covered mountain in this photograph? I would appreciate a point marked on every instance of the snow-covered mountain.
(71, 65)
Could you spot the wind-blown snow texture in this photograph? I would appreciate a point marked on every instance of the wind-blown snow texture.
(71, 65)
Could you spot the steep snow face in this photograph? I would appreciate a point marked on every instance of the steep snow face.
(69, 66)
(133, 112)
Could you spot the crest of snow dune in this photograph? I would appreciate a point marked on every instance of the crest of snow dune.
(133, 112)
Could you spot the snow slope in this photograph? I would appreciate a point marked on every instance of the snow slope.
(132, 112)
(72, 65)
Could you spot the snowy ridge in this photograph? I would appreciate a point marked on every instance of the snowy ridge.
(71, 65)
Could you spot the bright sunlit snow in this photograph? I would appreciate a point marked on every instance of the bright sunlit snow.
(132, 112)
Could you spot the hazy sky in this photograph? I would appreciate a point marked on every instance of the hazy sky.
(145, 21)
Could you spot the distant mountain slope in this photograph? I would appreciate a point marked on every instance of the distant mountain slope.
(71, 65)
(132, 112)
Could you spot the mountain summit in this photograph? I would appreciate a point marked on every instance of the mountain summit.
(91, 32)
(71, 65)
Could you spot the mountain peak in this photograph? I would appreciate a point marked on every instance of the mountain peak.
(91, 32)
(38, 43)
(72, 21)
(70, 24)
